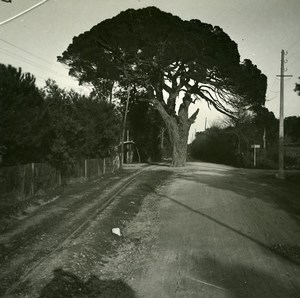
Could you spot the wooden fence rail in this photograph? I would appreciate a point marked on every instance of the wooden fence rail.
(27, 180)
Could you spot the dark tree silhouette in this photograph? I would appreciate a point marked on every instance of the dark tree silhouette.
(171, 60)
(21, 116)
(297, 88)
(77, 126)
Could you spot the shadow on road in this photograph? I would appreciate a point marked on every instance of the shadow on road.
(66, 285)
(259, 184)
(238, 280)
(272, 249)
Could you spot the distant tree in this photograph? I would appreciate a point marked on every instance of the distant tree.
(100, 122)
(145, 126)
(297, 88)
(77, 126)
(21, 116)
(62, 130)
(214, 145)
(292, 129)
(265, 123)
(230, 143)
(171, 60)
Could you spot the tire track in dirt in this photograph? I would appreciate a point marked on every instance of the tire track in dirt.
(18, 270)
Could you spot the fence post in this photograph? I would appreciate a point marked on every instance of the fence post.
(32, 179)
(59, 178)
(85, 169)
(98, 163)
(23, 172)
(104, 166)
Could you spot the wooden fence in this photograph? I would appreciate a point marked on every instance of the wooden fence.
(27, 180)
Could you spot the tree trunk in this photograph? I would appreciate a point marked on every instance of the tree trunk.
(179, 147)
(178, 127)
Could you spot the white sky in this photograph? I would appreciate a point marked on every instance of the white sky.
(261, 28)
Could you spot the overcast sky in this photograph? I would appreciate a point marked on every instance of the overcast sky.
(261, 28)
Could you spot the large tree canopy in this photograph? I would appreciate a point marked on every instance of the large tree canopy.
(170, 59)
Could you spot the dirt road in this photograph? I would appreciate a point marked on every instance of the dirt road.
(225, 232)
(51, 237)
(202, 231)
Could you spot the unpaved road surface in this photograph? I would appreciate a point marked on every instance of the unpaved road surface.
(72, 234)
(225, 232)
(203, 231)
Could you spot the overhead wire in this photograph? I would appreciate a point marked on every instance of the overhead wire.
(23, 59)
(272, 98)
(289, 48)
(25, 51)
(4, 51)
(292, 55)
(38, 77)
(23, 12)
(8, 53)
(30, 62)
(298, 58)
(274, 91)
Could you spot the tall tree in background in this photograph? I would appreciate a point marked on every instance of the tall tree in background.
(297, 88)
(292, 130)
(63, 132)
(100, 123)
(145, 126)
(21, 116)
(230, 142)
(173, 61)
(77, 126)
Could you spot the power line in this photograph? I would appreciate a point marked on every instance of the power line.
(271, 85)
(24, 60)
(25, 51)
(272, 98)
(295, 60)
(294, 44)
(295, 53)
(30, 62)
(23, 12)
(273, 91)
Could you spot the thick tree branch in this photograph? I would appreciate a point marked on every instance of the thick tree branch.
(193, 117)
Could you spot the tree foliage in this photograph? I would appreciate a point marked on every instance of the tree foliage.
(52, 124)
(231, 143)
(78, 126)
(170, 59)
(297, 88)
(21, 115)
(145, 126)
(292, 130)
(214, 145)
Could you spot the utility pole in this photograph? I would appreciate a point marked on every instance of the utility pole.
(281, 119)
(124, 126)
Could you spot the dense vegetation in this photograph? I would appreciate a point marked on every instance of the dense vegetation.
(230, 142)
(59, 127)
(52, 124)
